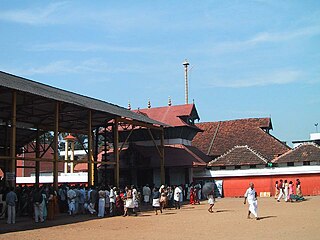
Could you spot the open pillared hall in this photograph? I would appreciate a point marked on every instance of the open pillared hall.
(155, 145)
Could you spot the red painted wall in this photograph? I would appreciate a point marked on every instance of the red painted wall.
(236, 186)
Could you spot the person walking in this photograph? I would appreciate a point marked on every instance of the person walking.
(251, 196)
(281, 188)
(11, 201)
(211, 201)
(286, 190)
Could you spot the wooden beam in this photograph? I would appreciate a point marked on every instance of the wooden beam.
(116, 152)
(154, 142)
(138, 123)
(13, 135)
(38, 156)
(56, 142)
(96, 152)
(126, 141)
(90, 157)
(162, 169)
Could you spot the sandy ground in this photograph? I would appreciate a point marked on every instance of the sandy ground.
(278, 221)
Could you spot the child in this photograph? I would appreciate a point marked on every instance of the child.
(211, 201)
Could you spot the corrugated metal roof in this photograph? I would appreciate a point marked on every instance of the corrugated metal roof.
(25, 85)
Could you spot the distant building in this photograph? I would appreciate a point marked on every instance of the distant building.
(314, 138)
(244, 151)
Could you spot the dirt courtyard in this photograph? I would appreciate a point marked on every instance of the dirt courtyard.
(278, 221)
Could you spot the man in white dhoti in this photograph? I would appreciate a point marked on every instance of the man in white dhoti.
(251, 195)
(176, 197)
(146, 192)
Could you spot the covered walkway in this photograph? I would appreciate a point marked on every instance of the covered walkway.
(29, 109)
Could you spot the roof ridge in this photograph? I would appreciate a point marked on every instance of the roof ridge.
(259, 155)
(233, 120)
(306, 144)
(294, 149)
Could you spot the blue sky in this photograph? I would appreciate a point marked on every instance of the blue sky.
(247, 58)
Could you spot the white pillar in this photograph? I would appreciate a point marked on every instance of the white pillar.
(72, 157)
(66, 157)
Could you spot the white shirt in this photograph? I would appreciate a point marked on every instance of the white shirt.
(71, 195)
(146, 191)
(112, 196)
(250, 195)
(177, 192)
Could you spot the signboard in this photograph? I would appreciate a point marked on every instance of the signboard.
(10, 176)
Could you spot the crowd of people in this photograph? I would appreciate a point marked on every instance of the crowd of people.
(43, 202)
(285, 190)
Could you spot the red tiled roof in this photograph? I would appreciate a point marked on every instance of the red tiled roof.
(219, 137)
(170, 115)
(238, 156)
(308, 152)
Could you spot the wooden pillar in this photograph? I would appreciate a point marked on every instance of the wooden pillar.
(13, 136)
(38, 156)
(96, 152)
(90, 157)
(56, 142)
(162, 170)
(116, 152)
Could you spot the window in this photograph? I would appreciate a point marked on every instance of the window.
(253, 166)
(290, 164)
(237, 167)
(306, 163)
(222, 167)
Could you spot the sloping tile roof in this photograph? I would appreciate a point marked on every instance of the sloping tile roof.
(170, 115)
(238, 156)
(25, 85)
(219, 137)
(308, 152)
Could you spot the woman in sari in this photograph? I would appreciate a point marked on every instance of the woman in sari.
(192, 194)
(119, 203)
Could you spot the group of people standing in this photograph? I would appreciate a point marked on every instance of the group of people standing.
(34, 201)
(170, 196)
(285, 190)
